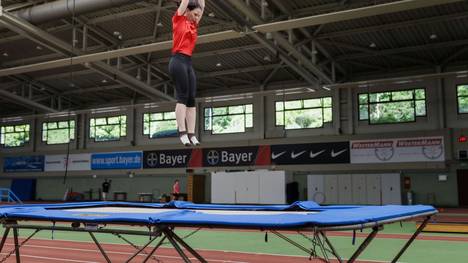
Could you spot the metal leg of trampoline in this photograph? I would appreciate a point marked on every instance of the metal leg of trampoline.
(17, 247)
(330, 245)
(188, 248)
(179, 250)
(154, 249)
(292, 242)
(140, 250)
(4, 238)
(413, 237)
(364, 244)
(100, 247)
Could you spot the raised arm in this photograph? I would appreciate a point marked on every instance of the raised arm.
(182, 7)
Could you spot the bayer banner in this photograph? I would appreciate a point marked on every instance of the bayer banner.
(313, 153)
(166, 159)
(403, 150)
(117, 160)
(235, 156)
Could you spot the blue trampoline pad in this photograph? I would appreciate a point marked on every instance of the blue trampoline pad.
(296, 216)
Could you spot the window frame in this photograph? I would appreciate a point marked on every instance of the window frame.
(227, 106)
(414, 99)
(14, 127)
(303, 108)
(155, 112)
(107, 124)
(69, 139)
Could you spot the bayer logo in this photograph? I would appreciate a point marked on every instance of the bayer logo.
(152, 159)
(212, 157)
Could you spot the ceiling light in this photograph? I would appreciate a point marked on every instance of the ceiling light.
(5, 54)
(325, 88)
(433, 36)
(160, 24)
(219, 64)
(39, 47)
(104, 81)
(372, 45)
(267, 58)
(211, 14)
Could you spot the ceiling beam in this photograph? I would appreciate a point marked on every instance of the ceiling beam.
(283, 42)
(37, 35)
(345, 15)
(89, 58)
(25, 102)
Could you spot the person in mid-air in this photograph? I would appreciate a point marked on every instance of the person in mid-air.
(185, 32)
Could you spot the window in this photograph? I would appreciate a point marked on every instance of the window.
(303, 114)
(229, 119)
(160, 125)
(58, 132)
(392, 106)
(14, 135)
(108, 128)
(462, 98)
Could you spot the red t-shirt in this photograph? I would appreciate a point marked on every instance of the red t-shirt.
(184, 35)
(176, 188)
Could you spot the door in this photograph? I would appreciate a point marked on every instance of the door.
(345, 196)
(316, 188)
(359, 189)
(373, 189)
(272, 186)
(462, 178)
(331, 189)
(247, 188)
(222, 188)
(391, 189)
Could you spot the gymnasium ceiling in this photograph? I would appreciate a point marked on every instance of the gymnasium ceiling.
(428, 39)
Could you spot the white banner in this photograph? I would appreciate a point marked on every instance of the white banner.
(76, 162)
(403, 150)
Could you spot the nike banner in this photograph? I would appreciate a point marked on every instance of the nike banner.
(314, 153)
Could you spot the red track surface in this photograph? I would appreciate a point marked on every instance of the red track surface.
(49, 251)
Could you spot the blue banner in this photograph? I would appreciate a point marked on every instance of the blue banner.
(23, 164)
(119, 160)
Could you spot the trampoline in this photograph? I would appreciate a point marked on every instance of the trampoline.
(158, 221)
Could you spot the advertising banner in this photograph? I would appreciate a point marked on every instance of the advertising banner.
(117, 160)
(420, 149)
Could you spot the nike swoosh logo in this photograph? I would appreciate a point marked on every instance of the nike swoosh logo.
(274, 156)
(334, 154)
(313, 155)
(294, 155)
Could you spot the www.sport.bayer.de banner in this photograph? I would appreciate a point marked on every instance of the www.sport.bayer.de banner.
(117, 160)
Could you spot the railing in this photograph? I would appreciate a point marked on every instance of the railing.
(6, 195)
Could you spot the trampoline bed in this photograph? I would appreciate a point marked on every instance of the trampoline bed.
(160, 220)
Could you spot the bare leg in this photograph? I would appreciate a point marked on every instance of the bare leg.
(191, 123)
(181, 113)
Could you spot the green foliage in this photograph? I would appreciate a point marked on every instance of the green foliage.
(14, 135)
(463, 104)
(304, 114)
(108, 128)
(58, 132)
(229, 119)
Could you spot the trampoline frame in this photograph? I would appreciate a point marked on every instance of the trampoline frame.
(166, 232)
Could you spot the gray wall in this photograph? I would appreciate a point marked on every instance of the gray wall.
(442, 119)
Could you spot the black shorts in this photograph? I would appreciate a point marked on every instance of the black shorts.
(184, 78)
